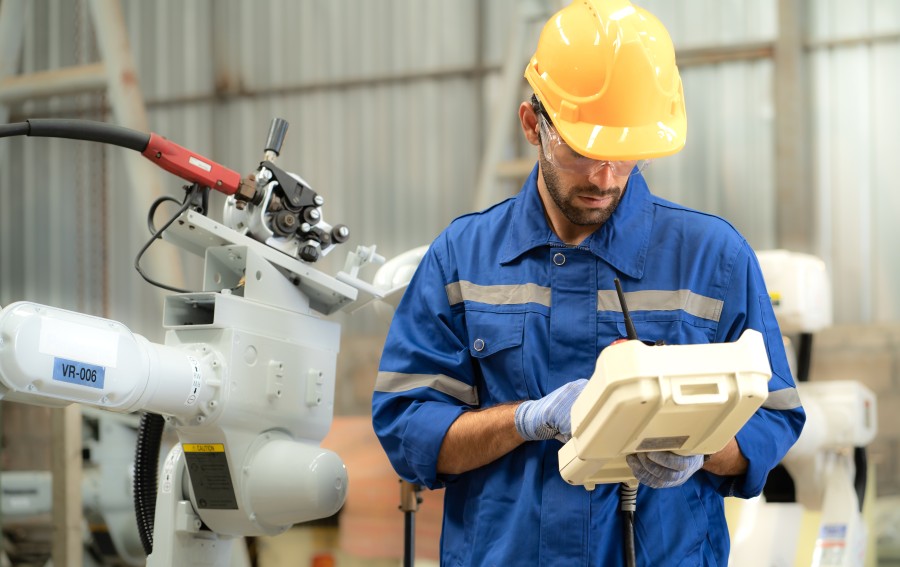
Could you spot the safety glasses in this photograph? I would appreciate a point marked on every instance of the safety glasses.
(558, 153)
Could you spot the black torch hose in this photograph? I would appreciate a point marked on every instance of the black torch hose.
(14, 129)
(75, 129)
(146, 464)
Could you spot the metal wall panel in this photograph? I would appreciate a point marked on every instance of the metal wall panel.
(709, 23)
(51, 248)
(727, 165)
(856, 86)
(378, 95)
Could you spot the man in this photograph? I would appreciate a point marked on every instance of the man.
(510, 308)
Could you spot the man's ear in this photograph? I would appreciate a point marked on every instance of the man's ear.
(529, 122)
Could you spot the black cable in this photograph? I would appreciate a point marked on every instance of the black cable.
(627, 493)
(804, 357)
(627, 506)
(628, 539)
(75, 129)
(14, 129)
(188, 200)
(409, 540)
(146, 463)
(152, 212)
(89, 130)
(862, 474)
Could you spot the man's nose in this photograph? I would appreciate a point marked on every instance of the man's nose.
(602, 176)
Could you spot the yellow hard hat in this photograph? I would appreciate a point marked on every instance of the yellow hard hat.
(605, 72)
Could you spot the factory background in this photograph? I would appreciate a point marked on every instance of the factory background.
(402, 116)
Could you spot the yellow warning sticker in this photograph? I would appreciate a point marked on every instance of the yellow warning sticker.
(204, 447)
(210, 476)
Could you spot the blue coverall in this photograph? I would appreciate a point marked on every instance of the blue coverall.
(501, 310)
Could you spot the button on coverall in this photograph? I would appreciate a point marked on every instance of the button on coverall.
(501, 310)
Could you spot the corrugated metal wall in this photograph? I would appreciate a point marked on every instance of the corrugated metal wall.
(855, 55)
(384, 101)
(389, 103)
(727, 166)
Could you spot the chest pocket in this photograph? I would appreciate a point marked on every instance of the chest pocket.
(495, 343)
(673, 327)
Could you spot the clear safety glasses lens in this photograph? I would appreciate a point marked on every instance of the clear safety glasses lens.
(558, 153)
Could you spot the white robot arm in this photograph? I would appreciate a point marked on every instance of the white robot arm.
(840, 422)
(248, 389)
(246, 375)
(53, 357)
(840, 415)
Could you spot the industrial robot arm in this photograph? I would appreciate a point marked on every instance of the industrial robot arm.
(246, 375)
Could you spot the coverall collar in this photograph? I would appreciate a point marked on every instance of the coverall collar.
(621, 241)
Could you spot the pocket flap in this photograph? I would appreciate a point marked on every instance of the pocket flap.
(492, 332)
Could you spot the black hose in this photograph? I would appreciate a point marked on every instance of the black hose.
(628, 539)
(14, 129)
(627, 506)
(146, 464)
(89, 130)
(862, 474)
(74, 129)
(409, 539)
(804, 357)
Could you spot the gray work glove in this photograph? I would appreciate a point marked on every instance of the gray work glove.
(663, 469)
(551, 416)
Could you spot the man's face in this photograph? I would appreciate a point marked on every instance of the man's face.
(584, 200)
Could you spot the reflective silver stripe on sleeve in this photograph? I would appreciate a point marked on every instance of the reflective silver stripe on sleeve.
(516, 294)
(658, 300)
(784, 399)
(397, 382)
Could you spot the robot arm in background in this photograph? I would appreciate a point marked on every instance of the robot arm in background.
(841, 414)
(106, 489)
(246, 375)
(828, 482)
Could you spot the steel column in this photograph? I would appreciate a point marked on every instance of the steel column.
(795, 205)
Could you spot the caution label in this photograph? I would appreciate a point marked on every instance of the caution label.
(204, 447)
(207, 465)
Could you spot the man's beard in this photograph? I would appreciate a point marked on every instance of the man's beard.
(565, 203)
